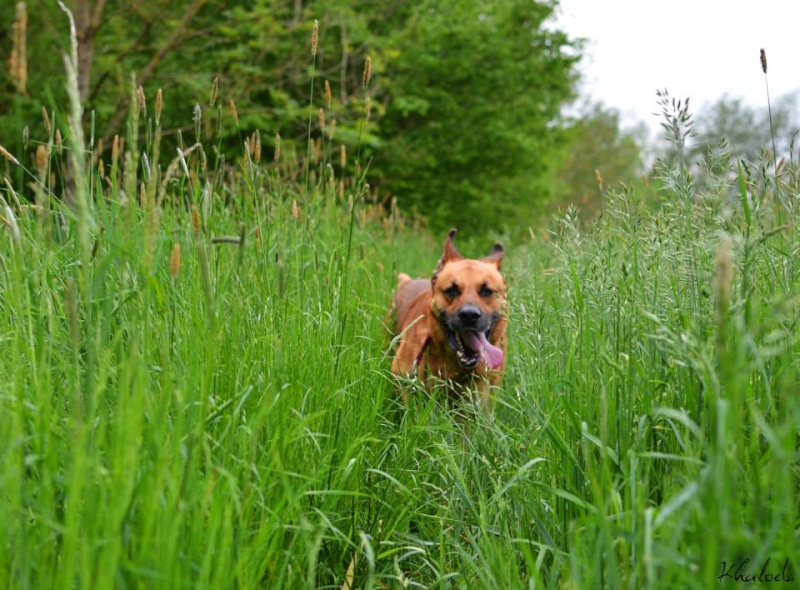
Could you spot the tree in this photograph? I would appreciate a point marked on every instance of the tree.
(599, 154)
(472, 122)
(464, 101)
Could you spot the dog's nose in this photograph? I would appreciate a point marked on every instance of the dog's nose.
(469, 314)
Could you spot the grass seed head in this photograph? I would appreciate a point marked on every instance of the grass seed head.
(322, 119)
(314, 37)
(197, 118)
(42, 156)
(234, 112)
(196, 225)
(214, 90)
(46, 120)
(763, 55)
(257, 146)
(367, 72)
(7, 155)
(141, 101)
(18, 60)
(159, 105)
(277, 147)
(115, 144)
(328, 95)
(343, 155)
(175, 261)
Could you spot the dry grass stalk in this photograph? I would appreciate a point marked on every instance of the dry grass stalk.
(18, 60)
(349, 576)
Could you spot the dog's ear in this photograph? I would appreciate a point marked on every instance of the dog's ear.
(450, 254)
(495, 256)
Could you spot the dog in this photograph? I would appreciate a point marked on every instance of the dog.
(452, 327)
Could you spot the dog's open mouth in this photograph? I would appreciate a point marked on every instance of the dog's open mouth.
(471, 347)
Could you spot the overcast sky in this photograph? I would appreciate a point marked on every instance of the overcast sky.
(700, 49)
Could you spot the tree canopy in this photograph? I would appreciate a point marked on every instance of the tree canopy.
(464, 104)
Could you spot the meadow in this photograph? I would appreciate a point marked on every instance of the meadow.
(196, 388)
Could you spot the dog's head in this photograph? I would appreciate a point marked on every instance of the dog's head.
(469, 300)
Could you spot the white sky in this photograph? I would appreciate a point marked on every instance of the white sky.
(700, 49)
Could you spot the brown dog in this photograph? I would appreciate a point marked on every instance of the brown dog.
(452, 327)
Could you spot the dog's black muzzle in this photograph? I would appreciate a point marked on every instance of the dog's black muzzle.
(468, 318)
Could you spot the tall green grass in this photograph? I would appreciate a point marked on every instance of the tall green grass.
(220, 414)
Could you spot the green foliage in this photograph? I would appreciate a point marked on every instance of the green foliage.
(472, 126)
(465, 96)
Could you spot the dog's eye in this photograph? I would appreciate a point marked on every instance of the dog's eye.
(486, 291)
(452, 291)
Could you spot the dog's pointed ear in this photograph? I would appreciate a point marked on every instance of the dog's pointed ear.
(496, 255)
(450, 253)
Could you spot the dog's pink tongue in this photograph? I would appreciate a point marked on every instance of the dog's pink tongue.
(491, 354)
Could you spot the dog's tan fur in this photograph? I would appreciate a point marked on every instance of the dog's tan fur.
(426, 310)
